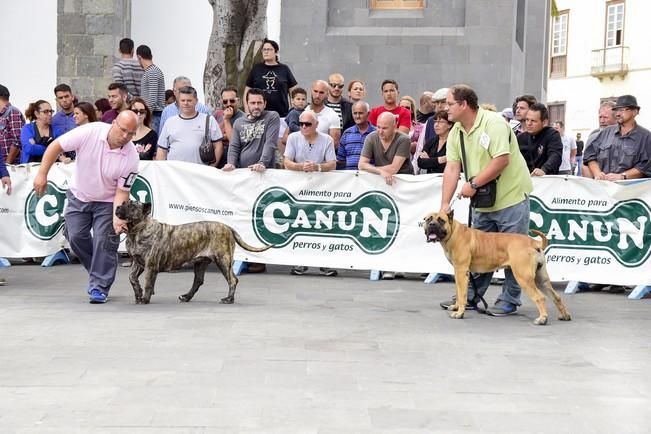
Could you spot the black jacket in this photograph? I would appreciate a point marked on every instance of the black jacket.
(543, 151)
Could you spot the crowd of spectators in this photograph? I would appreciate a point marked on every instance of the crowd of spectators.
(277, 124)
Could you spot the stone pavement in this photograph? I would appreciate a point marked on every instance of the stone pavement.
(310, 354)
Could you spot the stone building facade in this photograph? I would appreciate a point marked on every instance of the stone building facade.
(497, 46)
(88, 35)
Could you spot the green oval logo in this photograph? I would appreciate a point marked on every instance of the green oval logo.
(141, 191)
(372, 220)
(620, 230)
(44, 214)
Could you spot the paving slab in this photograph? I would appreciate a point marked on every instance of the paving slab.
(312, 354)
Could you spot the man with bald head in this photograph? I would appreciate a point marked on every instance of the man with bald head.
(388, 148)
(352, 140)
(328, 120)
(310, 150)
(427, 107)
(107, 165)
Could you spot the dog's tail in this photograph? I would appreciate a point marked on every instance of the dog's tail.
(246, 246)
(543, 238)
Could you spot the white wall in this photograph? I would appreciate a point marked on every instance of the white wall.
(178, 35)
(29, 50)
(579, 89)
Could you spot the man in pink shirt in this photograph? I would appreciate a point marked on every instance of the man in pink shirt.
(391, 94)
(107, 165)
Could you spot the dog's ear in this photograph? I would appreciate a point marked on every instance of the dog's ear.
(450, 213)
(146, 208)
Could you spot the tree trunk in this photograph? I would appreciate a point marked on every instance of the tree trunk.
(239, 27)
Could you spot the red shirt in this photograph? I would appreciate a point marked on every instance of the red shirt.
(404, 117)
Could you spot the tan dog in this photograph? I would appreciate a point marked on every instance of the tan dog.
(471, 250)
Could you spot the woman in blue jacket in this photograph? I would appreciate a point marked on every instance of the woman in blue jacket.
(36, 135)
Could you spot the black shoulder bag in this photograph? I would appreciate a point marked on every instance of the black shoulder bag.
(207, 148)
(486, 194)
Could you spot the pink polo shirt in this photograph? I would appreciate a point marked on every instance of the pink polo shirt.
(100, 170)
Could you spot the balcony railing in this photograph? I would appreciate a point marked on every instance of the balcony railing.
(609, 62)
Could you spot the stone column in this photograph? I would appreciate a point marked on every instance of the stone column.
(88, 34)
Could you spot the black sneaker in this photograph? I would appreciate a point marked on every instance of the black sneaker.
(446, 304)
(330, 272)
(298, 270)
(502, 308)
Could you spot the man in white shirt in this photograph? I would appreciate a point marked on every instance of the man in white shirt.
(569, 149)
(182, 135)
(329, 122)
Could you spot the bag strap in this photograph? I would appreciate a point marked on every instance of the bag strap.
(207, 130)
(463, 155)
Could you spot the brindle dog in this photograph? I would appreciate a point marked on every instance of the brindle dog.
(471, 250)
(157, 247)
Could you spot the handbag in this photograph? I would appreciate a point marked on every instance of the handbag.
(207, 147)
(486, 194)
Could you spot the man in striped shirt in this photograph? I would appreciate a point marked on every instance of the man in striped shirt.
(127, 70)
(152, 85)
(352, 140)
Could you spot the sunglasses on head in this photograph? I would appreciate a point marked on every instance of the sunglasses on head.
(338, 86)
(305, 124)
(232, 101)
(139, 111)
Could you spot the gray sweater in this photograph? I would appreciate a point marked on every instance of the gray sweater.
(254, 140)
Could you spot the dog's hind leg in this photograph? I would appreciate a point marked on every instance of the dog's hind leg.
(526, 279)
(136, 271)
(543, 282)
(200, 266)
(225, 264)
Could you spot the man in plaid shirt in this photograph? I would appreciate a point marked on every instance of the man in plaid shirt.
(11, 121)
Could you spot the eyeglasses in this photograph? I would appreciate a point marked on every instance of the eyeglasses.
(232, 101)
(337, 86)
(450, 104)
(139, 111)
(47, 112)
(305, 124)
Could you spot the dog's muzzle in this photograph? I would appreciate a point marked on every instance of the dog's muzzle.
(434, 232)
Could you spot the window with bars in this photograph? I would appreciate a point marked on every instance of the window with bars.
(558, 64)
(614, 24)
(397, 4)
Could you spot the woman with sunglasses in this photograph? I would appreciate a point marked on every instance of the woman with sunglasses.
(275, 79)
(36, 135)
(145, 138)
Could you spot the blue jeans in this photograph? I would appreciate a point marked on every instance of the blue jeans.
(514, 219)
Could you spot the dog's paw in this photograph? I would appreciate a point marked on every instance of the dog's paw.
(144, 301)
(227, 300)
(456, 315)
(565, 317)
(541, 320)
(453, 307)
(184, 298)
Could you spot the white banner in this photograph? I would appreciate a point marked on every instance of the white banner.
(598, 231)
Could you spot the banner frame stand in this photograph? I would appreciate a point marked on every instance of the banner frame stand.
(239, 267)
(639, 292)
(4, 262)
(375, 275)
(60, 257)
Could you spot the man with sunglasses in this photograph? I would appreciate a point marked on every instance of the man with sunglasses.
(309, 150)
(107, 165)
(227, 116)
(621, 151)
(338, 103)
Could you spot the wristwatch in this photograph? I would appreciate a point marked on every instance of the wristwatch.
(473, 185)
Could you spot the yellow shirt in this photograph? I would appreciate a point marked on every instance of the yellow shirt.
(490, 137)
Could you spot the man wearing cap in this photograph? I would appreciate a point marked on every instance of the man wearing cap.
(11, 121)
(621, 151)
